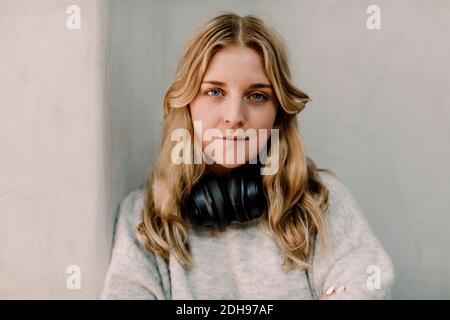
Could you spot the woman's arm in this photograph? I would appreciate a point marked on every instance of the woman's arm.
(357, 259)
(134, 273)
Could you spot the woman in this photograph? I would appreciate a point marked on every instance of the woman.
(310, 239)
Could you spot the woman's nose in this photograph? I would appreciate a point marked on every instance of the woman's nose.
(234, 113)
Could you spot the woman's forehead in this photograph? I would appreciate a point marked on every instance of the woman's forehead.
(231, 65)
(236, 57)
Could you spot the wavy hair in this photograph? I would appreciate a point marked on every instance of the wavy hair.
(297, 198)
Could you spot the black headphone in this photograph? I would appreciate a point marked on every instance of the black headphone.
(216, 201)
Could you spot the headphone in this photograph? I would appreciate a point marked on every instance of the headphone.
(217, 201)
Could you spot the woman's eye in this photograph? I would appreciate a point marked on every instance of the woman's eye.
(213, 92)
(258, 97)
(255, 96)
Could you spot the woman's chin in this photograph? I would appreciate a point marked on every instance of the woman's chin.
(230, 166)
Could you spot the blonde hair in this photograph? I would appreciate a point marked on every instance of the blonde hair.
(298, 200)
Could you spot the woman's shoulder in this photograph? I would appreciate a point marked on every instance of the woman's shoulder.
(344, 211)
(131, 206)
(339, 194)
(333, 183)
(128, 217)
(346, 222)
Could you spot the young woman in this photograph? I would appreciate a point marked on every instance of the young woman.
(305, 238)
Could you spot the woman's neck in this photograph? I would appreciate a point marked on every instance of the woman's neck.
(219, 170)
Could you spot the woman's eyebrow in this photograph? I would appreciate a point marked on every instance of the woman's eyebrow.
(252, 86)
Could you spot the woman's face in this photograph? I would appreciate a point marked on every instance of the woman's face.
(235, 94)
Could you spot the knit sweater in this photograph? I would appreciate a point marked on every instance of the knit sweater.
(244, 261)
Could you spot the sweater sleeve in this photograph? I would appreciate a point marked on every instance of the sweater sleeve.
(133, 273)
(356, 258)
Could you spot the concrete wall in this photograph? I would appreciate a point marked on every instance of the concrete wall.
(53, 209)
(80, 123)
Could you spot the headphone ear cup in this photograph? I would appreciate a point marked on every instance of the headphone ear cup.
(256, 198)
(236, 194)
(208, 203)
(245, 191)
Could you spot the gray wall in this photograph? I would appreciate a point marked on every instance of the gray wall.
(81, 110)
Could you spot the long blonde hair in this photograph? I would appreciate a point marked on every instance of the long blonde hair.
(297, 199)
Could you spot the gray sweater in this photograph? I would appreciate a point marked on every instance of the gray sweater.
(244, 261)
